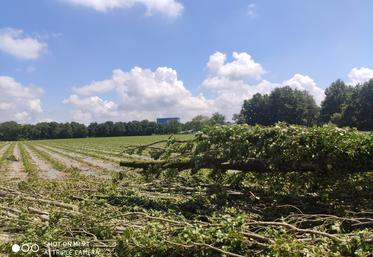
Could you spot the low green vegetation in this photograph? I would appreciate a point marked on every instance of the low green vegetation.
(113, 144)
(187, 201)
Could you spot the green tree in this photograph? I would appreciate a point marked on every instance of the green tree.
(79, 130)
(336, 97)
(172, 127)
(283, 104)
(257, 110)
(217, 119)
(92, 129)
(119, 129)
(197, 123)
(293, 106)
(10, 131)
(365, 107)
(105, 129)
(65, 131)
(358, 110)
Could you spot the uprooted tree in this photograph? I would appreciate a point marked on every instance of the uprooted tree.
(279, 148)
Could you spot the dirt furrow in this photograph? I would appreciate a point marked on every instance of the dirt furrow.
(105, 155)
(98, 150)
(86, 169)
(118, 154)
(109, 155)
(93, 161)
(45, 170)
(17, 170)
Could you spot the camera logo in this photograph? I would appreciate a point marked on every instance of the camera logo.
(25, 248)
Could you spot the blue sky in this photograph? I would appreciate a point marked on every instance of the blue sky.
(52, 51)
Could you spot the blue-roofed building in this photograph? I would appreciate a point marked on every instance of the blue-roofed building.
(165, 121)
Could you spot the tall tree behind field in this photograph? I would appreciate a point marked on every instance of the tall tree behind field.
(197, 123)
(358, 112)
(365, 106)
(337, 97)
(283, 104)
(78, 130)
(217, 119)
(9, 131)
(201, 121)
(92, 129)
(256, 110)
(293, 106)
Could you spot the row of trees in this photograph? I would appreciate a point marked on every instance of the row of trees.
(44, 130)
(283, 104)
(344, 105)
(347, 105)
(52, 130)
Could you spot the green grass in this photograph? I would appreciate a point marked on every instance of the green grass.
(7, 155)
(49, 159)
(111, 143)
(30, 168)
(82, 151)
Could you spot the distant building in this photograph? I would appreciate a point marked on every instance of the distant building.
(165, 121)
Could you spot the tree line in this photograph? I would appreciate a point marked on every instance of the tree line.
(344, 105)
(10, 131)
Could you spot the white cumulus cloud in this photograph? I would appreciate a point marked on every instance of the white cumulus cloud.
(92, 108)
(22, 117)
(243, 66)
(96, 87)
(360, 75)
(16, 43)
(228, 82)
(18, 102)
(170, 8)
(230, 94)
(304, 82)
(146, 94)
(143, 94)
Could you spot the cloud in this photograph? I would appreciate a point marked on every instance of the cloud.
(242, 67)
(92, 108)
(22, 117)
(251, 10)
(45, 120)
(95, 87)
(170, 8)
(230, 94)
(18, 102)
(14, 42)
(147, 94)
(143, 94)
(303, 82)
(228, 82)
(360, 75)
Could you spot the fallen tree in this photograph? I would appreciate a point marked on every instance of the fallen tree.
(184, 164)
(279, 148)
